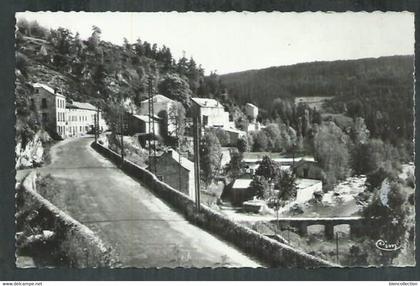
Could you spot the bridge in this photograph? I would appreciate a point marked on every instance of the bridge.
(356, 224)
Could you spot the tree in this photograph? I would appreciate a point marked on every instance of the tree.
(386, 216)
(242, 145)
(274, 143)
(267, 169)
(258, 186)
(210, 157)
(331, 151)
(234, 167)
(22, 63)
(176, 88)
(375, 178)
(260, 140)
(359, 132)
(61, 40)
(138, 48)
(369, 157)
(222, 135)
(94, 39)
(176, 120)
(286, 183)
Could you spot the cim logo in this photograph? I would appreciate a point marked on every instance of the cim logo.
(386, 246)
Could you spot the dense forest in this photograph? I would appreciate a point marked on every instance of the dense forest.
(379, 90)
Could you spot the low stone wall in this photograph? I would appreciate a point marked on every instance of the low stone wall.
(269, 251)
(80, 245)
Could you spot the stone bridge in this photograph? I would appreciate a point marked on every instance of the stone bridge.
(356, 224)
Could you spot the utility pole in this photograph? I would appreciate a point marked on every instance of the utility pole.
(122, 136)
(197, 135)
(179, 163)
(97, 125)
(336, 246)
(95, 120)
(152, 146)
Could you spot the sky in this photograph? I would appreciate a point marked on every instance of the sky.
(237, 41)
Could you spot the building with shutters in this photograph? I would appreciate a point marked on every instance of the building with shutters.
(63, 117)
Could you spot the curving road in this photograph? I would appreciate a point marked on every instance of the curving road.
(144, 231)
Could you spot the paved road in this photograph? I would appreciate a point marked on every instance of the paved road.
(144, 231)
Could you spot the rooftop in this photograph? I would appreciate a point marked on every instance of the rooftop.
(47, 88)
(145, 118)
(277, 157)
(158, 98)
(184, 162)
(207, 102)
(241, 183)
(80, 105)
(305, 183)
(250, 104)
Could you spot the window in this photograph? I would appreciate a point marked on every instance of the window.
(44, 117)
(36, 90)
(32, 102)
(44, 103)
(205, 120)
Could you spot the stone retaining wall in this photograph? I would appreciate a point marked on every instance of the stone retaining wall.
(269, 251)
(80, 245)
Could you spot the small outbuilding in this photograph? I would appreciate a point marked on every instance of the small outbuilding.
(176, 171)
(238, 192)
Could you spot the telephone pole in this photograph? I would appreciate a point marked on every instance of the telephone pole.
(197, 135)
(122, 135)
(152, 141)
(96, 126)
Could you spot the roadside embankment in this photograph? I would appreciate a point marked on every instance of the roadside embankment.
(269, 251)
(52, 237)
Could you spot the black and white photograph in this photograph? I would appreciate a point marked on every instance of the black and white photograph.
(210, 140)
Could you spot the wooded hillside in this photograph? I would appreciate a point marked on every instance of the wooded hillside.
(379, 90)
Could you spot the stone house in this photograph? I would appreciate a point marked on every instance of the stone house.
(211, 112)
(176, 171)
(161, 104)
(238, 191)
(50, 107)
(139, 124)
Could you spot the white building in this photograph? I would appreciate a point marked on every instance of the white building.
(61, 117)
(211, 112)
(160, 103)
(81, 118)
(251, 111)
(306, 189)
